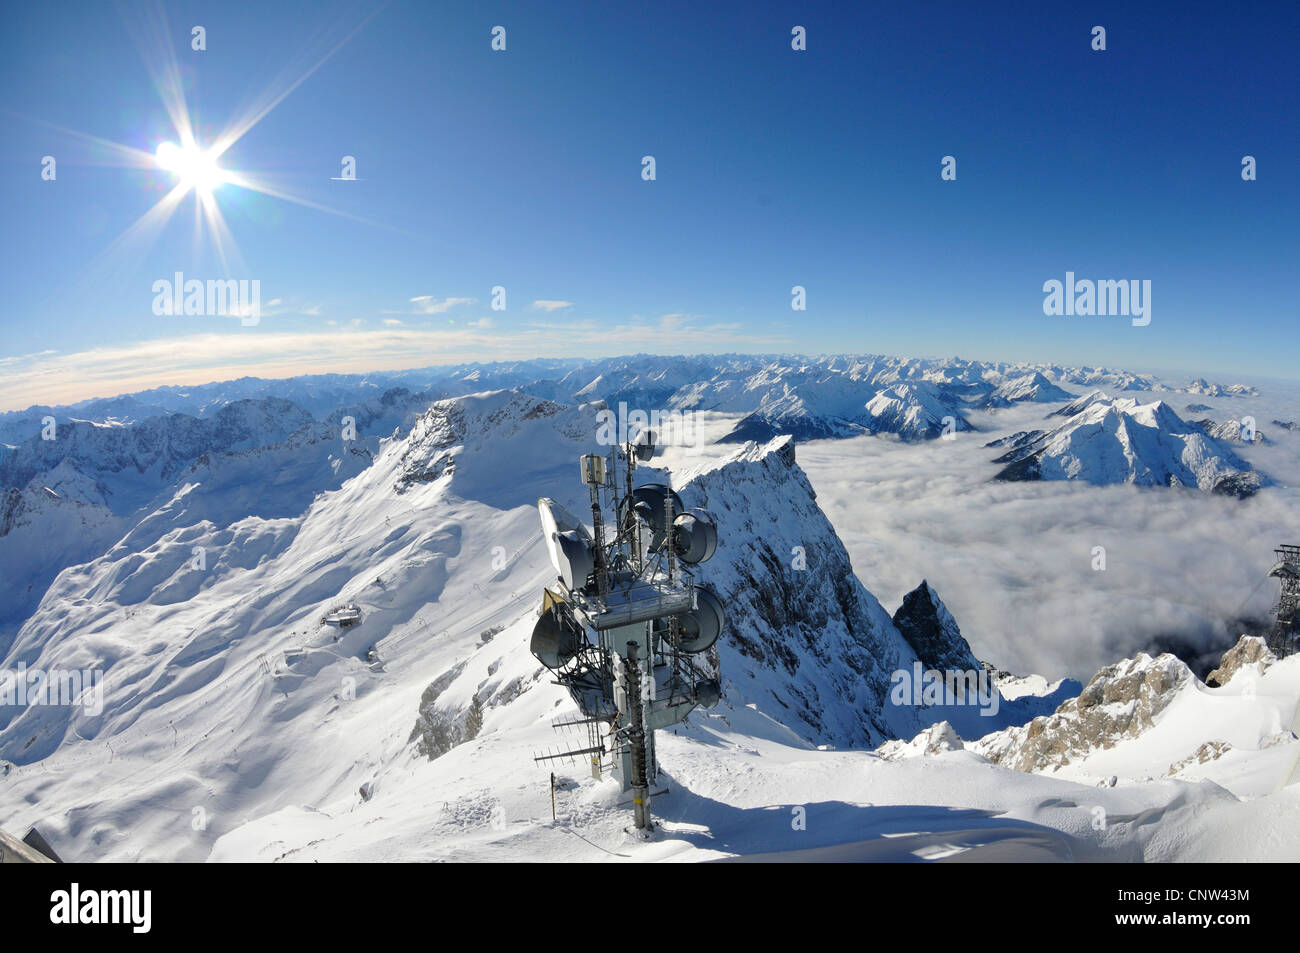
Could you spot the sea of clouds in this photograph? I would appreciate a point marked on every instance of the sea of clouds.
(1014, 561)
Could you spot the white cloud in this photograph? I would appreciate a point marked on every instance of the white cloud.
(59, 378)
(548, 305)
(1014, 561)
(428, 304)
(18, 359)
(639, 334)
(393, 323)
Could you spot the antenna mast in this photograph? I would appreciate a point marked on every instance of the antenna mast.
(624, 626)
(1285, 633)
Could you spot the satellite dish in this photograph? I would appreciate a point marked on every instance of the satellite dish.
(644, 445)
(647, 502)
(577, 558)
(695, 535)
(556, 637)
(701, 626)
(570, 546)
(708, 692)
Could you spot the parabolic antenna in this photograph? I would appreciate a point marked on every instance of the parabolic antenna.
(701, 626)
(644, 445)
(556, 636)
(695, 535)
(570, 546)
(708, 692)
(648, 502)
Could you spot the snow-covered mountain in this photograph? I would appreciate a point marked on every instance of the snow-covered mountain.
(1231, 431)
(434, 536)
(1081, 403)
(917, 411)
(68, 499)
(193, 562)
(807, 644)
(1100, 377)
(1033, 387)
(1148, 717)
(1205, 389)
(151, 453)
(807, 397)
(1105, 441)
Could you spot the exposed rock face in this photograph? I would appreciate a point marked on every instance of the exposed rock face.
(932, 632)
(805, 642)
(1121, 701)
(1239, 485)
(760, 428)
(1231, 431)
(159, 446)
(1249, 650)
(1210, 751)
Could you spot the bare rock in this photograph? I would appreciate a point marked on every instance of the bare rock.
(1249, 650)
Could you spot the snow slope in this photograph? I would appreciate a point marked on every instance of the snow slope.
(237, 726)
(1105, 441)
(1033, 387)
(915, 411)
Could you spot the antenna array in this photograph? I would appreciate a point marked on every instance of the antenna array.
(624, 624)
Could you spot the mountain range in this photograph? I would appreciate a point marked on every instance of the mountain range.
(192, 558)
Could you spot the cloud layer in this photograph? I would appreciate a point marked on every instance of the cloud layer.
(1014, 561)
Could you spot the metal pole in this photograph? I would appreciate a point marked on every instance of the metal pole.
(636, 740)
(598, 529)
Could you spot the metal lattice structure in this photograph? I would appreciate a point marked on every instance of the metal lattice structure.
(1286, 632)
(624, 625)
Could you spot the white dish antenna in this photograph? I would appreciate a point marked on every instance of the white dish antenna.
(568, 544)
(695, 534)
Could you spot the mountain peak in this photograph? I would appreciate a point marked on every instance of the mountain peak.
(932, 632)
(1106, 440)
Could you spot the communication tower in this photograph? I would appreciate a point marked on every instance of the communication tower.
(624, 625)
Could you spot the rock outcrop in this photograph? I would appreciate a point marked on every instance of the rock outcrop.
(1249, 650)
(1120, 702)
(929, 628)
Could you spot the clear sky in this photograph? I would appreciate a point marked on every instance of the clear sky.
(522, 168)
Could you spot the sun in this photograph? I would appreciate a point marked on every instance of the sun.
(195, 168)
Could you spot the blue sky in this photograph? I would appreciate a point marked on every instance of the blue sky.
(774, 168)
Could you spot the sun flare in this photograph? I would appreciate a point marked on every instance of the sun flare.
(194, 167)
